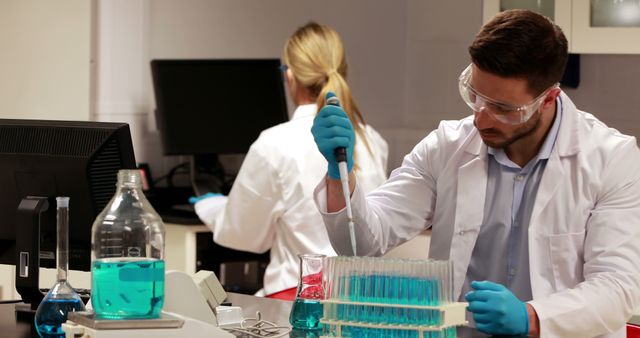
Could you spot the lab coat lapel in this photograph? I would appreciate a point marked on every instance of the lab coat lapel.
(472, 187)
(567, 144)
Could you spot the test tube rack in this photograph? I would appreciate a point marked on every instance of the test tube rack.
(402, 298)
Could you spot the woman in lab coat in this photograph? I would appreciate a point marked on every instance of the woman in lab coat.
(270, 205)
(571, 266)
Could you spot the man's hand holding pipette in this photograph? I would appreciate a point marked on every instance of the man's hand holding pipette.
(335, 138)
(332, 129)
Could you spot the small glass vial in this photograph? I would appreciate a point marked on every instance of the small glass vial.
(127, 269)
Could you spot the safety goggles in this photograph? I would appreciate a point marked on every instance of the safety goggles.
(502, 112)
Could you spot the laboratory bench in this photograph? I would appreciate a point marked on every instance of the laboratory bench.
(276, 311)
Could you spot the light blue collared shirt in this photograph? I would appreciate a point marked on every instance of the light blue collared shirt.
(501, 252)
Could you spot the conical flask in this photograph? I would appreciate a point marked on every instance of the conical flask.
(61, 298)
(127, 270)
(307, 309)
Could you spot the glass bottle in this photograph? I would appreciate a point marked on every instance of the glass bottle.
(61, 298)
(307, 309)
(127, 269)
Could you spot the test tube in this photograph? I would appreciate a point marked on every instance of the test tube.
(62, 222)
(450, 279)
(326, 277)
(338, 285)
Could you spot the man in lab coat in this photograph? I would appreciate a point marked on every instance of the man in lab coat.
(536, 202)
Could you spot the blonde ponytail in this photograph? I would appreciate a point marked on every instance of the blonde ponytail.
(316, 57)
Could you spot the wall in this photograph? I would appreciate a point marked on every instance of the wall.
(609, 90)
(45, 59)
(438, 35)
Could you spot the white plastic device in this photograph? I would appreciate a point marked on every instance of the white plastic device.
(184, 296)
(210, 287)
(229, 315)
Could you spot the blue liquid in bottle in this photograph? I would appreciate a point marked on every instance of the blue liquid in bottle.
(127, 288)
(306, 314)
(52, 313)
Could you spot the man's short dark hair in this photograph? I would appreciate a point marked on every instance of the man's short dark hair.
(522, 44)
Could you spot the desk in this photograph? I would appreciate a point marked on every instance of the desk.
(12, 328)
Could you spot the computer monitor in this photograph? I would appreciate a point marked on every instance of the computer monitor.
(42, 159)
(216, 106)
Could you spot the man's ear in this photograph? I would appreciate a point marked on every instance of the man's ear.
(551, 97)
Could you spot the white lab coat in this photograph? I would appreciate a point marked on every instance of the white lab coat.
(584, 232)
(270, 205)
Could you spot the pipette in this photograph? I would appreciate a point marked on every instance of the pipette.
(341, 157)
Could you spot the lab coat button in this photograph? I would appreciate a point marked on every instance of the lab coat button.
(519, 177)
(512, 271)
(461, 232)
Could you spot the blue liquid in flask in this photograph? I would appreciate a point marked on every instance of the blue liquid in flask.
(125, 288)
(306, 314)
(52, 313)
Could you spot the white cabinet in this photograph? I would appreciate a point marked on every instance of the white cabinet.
(180, 246)
(606, 26)
(591, 26)
(559, 11)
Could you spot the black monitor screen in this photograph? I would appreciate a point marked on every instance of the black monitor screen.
(216, 106)
(60, 158)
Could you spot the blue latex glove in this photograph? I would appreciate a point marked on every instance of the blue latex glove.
(196, 199)
(496, 310)
(332, 129)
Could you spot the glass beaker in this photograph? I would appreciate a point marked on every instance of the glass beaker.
(307, 309)
(127, 269)
(61, 298)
